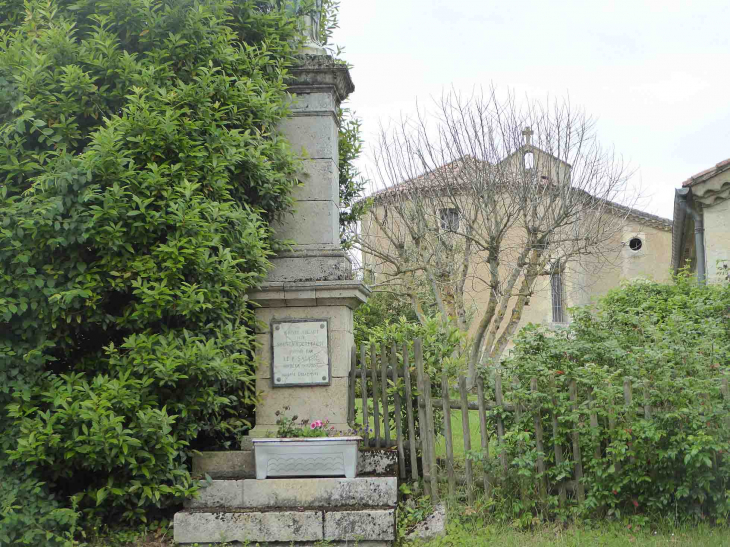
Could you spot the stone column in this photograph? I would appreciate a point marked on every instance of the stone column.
(314, 279)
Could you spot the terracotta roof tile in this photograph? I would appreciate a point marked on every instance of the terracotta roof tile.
(703, 175)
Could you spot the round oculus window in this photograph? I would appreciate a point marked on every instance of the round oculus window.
(635, 244)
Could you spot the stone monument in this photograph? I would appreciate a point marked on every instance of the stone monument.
(307, 303)
(306, 334)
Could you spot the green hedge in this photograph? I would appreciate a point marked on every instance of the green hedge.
(138, 172)
(672, 341)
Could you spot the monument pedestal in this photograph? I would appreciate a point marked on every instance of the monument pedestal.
(332, 301)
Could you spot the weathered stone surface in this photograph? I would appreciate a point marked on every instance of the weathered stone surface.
(220, 493)
(313, 223)
(378, 461)
(281, 526)
(320, 181)
(360, 525)
(311, 403)
(315, 73)
(304, 544)
(321, 492)
(434, 525)
(308, 269)
(343, 292)
(340, 317)
(317, 102)
(313, 136)
(225, 465)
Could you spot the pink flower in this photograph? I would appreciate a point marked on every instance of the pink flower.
(313, 425)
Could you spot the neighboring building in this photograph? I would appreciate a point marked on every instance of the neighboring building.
(640, 250)
(702, 223)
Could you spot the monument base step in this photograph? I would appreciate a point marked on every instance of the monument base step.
(337, 527)
(302, 544)
(295, 493)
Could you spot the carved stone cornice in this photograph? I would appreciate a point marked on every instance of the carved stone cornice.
(313, 72)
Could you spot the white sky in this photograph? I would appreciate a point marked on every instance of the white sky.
(654, 73)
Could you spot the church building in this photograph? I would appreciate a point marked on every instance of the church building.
(640, 246)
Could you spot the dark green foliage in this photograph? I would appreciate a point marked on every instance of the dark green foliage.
(673, 343)
(138, 173)
(380, 310)
(30, 515)
(352, 184)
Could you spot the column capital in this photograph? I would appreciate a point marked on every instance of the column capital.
(313, 73)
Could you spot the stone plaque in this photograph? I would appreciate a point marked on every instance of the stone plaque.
(300, 353)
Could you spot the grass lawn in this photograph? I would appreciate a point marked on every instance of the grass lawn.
(457, 434)
(603, 536)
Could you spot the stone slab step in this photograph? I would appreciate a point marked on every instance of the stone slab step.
(287, 493)
(298, 544)
(240, 464)
(243, 527)
(286, 526)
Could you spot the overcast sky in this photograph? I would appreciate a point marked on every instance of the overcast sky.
(654, 73)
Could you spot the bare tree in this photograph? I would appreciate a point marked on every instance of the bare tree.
(488, 195)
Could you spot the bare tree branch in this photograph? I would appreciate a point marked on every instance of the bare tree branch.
(481, 195)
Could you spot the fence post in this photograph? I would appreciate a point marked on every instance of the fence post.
(580, 488)
(484, 433)
(351, 393)
(422, 422)
(628, 400)
(557, 448)
(537, 415)
(594, 426)
(409, 413)
(398, 414)
(376, 406)
(431, 438)
(364, 395)
(448, 434)
(384, 398)
(647, 401)
(467, 439)
(500, 422)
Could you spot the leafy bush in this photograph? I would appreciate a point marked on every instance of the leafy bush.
(672, 343)
(29, 513)
(381, 309)
(139, 172)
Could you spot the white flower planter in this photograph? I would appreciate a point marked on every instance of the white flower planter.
(306, 457)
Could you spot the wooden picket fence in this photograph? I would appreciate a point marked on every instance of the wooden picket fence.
(374, 368)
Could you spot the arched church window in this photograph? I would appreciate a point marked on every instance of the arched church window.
(557, 293)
